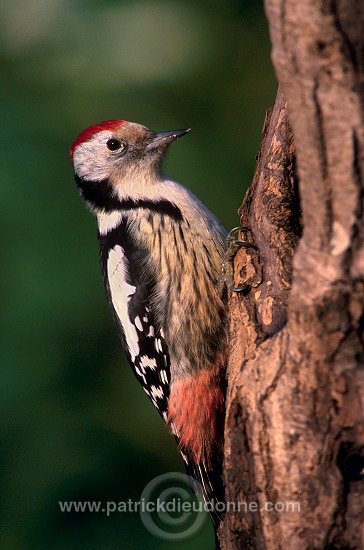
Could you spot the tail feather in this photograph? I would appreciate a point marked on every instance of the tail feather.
(208, 482)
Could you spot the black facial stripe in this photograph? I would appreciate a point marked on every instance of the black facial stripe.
(159, 207)
(100, 195)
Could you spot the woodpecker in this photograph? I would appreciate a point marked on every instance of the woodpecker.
(160, 253)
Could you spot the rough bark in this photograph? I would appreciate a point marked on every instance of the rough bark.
(295, 418)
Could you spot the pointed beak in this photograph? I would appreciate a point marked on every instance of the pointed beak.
(164, 138)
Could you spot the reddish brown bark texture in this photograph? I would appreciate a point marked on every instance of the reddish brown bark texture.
(295, 415)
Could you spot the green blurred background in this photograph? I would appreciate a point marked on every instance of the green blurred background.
(75, 425)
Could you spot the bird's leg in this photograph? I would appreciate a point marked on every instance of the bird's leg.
(227, 264)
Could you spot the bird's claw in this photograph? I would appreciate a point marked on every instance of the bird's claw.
(227, 264)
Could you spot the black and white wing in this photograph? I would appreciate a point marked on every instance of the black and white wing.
(129, 294)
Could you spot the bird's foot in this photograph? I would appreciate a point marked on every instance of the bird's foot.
(227, 265)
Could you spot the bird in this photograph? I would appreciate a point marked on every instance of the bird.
(160, 253)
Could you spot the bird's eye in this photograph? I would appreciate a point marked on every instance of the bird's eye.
(114, 144)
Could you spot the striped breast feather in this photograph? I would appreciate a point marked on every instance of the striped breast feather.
(128, 295)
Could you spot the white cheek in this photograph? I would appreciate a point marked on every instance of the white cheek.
(91, 158)
(90, 164)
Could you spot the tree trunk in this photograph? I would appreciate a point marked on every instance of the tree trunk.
(294, 433)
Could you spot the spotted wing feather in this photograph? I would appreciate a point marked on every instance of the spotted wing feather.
(128, 291)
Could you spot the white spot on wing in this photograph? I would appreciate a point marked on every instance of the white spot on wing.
(163, 376)
(138, 324)
(156, 392)
(151, 331)
(158, 344)
(139, 373)
(148, 362)
(121, 292)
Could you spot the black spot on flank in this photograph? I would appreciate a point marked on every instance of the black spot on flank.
(176, 245)
(179, 285)
(207, 258)
(182, 237)
(196, 288)
(150, 220)
(210, 276)
(175, 238)
(157, 242)
(160, 242)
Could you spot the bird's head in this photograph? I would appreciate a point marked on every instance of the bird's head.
(116, 146)
(109, 157)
